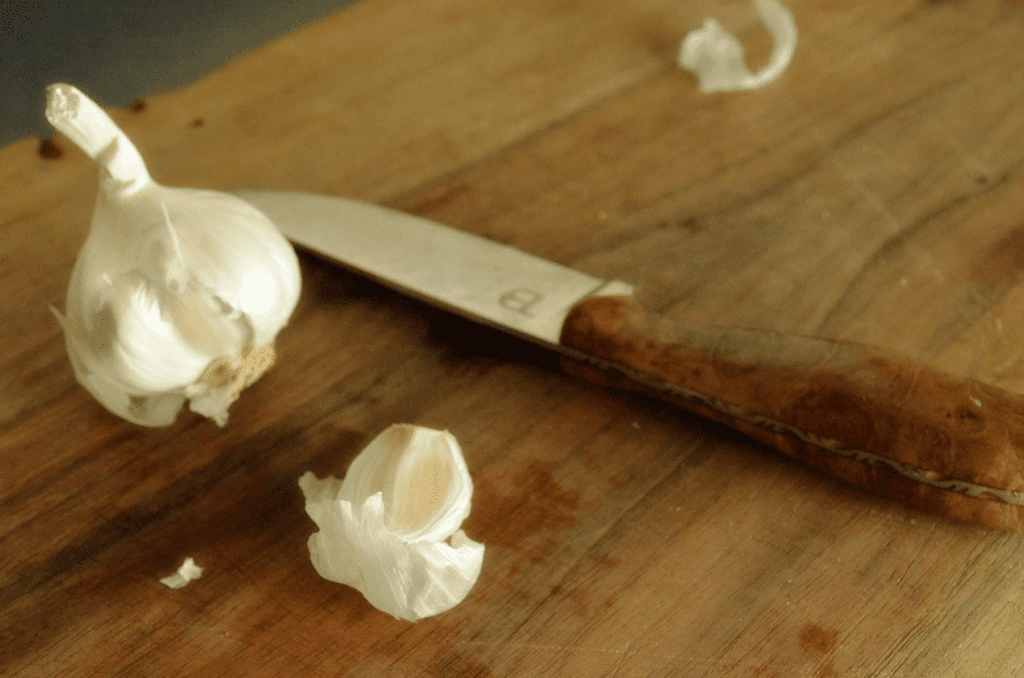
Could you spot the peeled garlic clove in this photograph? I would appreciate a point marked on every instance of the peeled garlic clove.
(716, 57)
(391, 528)
(423, 477)
(177, 293)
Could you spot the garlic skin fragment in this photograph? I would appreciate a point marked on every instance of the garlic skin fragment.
(391, 528)
(716, 57)
(186, 573)
(177, 293)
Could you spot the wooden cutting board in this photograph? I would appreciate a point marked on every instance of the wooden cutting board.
(875, 192)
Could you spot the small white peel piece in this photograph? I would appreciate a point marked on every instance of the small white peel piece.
(186, 573)
(390, 529)
(716, 57)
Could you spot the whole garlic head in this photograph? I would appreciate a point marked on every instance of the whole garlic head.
(177, 293)
(391, 528)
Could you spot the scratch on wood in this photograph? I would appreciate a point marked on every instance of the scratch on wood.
(583, 648)
(868, 195)
(970, 160)
(625, 653)
(622, 658)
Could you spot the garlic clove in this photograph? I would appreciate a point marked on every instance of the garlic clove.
(145, 410)
(391, 528)
(246, 260)
(423, 476)
(127, 338)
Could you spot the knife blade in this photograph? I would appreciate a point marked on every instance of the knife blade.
(863, 414)
(476, 278)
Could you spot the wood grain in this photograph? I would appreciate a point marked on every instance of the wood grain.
(871, 194)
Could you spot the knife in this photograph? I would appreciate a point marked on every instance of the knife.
(863, 414)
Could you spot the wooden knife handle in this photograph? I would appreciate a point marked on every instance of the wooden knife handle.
(868, 416)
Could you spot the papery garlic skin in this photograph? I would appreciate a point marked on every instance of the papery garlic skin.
(186, 573)
(385, 530)
(715, 56)
(177, 293)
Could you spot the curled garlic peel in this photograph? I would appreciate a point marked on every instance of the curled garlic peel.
(715, 56)
(391, 528)
(177, 293)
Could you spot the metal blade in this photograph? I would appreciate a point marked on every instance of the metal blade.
(471, 276)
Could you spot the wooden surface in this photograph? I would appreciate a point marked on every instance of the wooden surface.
(873, 193)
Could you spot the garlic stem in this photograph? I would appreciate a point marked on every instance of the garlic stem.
(82, 120)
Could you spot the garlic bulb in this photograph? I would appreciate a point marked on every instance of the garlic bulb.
(177, 293)
(391, 528)
(716, 57)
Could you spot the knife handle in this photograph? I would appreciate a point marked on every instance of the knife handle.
(868, 416)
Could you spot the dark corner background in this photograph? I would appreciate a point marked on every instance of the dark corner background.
(119, 50)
